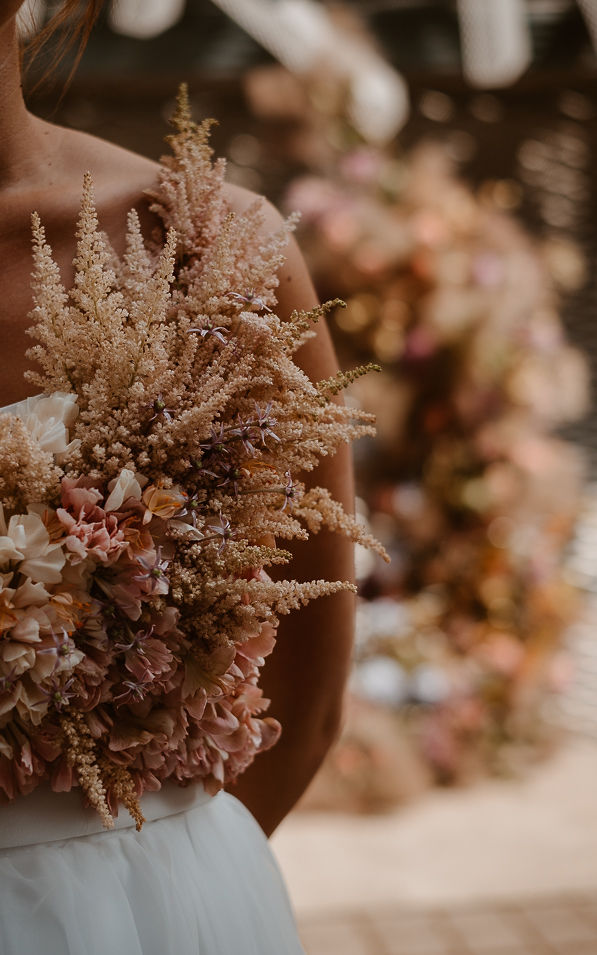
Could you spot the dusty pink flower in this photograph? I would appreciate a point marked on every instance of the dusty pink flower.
(90, 530)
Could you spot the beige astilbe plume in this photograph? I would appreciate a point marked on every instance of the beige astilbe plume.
(174, 353)
(104, 342)
(27, 473)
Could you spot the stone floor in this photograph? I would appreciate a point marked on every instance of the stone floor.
(554, 925)
(502, 868)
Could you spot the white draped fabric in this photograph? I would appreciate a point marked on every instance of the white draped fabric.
(199, 879)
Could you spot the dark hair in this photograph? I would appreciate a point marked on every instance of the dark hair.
(72, 24)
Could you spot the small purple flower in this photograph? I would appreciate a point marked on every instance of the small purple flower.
(132, 692)
(58, 694)
(136, 641)
(222, 531)
(160, 410)
(8, 681)
(289, 492)
(217, 331)
(265, 422)
(63, 645)
(230, 474)
(216, 442)
(245, 432)
(198, 466)
(106, 609)
(154, 573)
(249, 298)
(191, 508)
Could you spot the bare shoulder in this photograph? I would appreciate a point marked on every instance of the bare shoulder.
(240, 199)
(296, 288)
(80, 152)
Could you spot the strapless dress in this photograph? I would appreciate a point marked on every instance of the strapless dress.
(199, 879)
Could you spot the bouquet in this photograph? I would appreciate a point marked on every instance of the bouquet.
(142, 493)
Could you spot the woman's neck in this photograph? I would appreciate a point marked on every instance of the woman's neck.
(21, 140)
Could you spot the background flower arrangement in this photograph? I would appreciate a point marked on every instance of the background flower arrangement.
(466, 483)
(142, 494)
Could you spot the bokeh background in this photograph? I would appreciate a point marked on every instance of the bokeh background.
(442, 155)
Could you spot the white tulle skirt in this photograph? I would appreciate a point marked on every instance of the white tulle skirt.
(199, 879)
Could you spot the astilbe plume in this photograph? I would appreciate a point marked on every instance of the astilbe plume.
(146, 605)
(27, 472)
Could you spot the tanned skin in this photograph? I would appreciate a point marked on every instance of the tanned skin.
(41, 168)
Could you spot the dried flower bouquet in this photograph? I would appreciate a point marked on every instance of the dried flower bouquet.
(137, 492)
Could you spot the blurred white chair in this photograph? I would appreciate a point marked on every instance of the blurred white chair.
(589, 9)
(496, 42)
(145, 18)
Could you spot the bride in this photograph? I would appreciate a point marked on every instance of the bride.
(199, 877)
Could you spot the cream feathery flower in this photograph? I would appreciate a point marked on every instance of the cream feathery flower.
(23, 610)
(124, 486)
(17, 656)
(42, 560)
(8, 617)
(32, 703)
(48, 418)
(31, 595)
(8, 548)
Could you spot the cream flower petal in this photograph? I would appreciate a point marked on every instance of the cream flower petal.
(45, 665)
(124, 486)
(9, 551)
(32, 622)
(47, 418)
(29, 534)
(43, 561)
(32, 704)
(46, 567)
(9, 701)
(25, 631)
(31, 595)
(192, 533)
(19, 654)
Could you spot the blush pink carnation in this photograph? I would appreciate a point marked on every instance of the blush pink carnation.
(90, 530)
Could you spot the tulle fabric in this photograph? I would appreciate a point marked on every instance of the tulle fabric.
(197, 880)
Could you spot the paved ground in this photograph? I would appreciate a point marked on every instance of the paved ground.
(551, 925)
(577, 709)
(502, 868)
